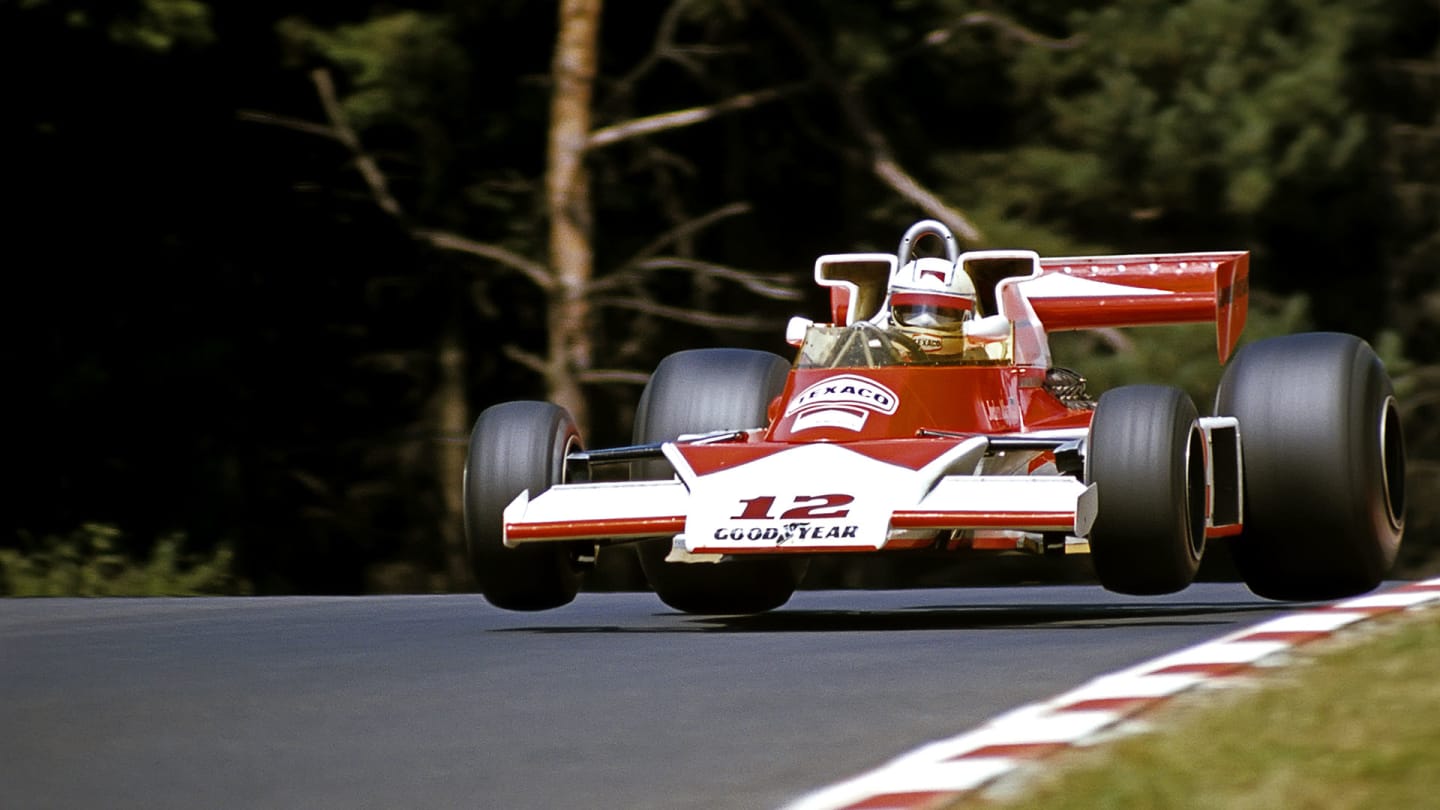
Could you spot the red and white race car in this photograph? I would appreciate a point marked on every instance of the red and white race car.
(745, 464)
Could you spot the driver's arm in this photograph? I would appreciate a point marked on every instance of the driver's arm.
(988, 328)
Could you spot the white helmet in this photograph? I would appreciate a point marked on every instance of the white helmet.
(929, 300)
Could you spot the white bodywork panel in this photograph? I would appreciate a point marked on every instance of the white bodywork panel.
(629, 509)
(1224, 475)
(812, 497)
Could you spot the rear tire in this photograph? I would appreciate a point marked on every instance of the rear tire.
(1146, 455)
(518, 446)
(694, 392)
(1324, 461)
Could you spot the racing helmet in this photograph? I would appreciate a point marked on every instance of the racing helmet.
(929, 300)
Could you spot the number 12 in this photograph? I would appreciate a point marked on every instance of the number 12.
(803, 507)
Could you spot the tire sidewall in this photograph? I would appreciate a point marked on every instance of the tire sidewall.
(698, 391)
(1311, 409)
(515, 447)
(1141, 454)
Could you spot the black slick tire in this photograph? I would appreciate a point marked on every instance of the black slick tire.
(1324, 464)
(698, 391)
(518, 446)
(1145, 453)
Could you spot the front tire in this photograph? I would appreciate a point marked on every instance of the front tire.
(518, 446)
(1146, 454)
(1324, 462)
(694, 392)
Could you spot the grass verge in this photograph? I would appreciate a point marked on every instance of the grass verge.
(1353, 722)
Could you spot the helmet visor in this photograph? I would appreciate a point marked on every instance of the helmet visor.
(930, 310)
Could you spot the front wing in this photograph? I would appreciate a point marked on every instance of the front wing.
(739, 499)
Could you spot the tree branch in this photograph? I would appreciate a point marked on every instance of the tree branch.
(637, 127)
(775, 286)
(286, 122)
(614, 375)
(663, 49)
(883, 163)
(340, 130)
(343, 132)
(538, 274)
(685, 230)
(901, 182)
(529, 360)
(1007, 27)
(696, 317)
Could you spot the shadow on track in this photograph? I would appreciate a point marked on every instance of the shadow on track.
(930, 617)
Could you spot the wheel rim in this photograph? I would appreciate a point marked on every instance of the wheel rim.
(1195, 494)
(563, 476)
(1392, 462)
(581, 554)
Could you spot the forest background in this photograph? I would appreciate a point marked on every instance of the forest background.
(268, 260)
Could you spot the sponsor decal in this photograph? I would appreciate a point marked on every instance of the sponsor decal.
(813, 507)
(809, 496)
(847, 391)
(832, 506)
(995, 410)
(843, 418)
(1227, 295)
(790, 531)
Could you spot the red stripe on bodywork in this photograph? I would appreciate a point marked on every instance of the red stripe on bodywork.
(610, 527)
(786, 549)
(1139, 310)
(896, 544)
(986, 520)
(904, 543)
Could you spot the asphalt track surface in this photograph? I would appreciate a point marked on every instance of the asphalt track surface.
(612, 702)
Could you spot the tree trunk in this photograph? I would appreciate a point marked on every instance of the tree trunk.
(452, 422)
(567, 187)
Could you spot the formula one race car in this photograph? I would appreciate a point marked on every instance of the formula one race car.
(926, 415)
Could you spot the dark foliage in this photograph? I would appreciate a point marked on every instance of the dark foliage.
(213, 330)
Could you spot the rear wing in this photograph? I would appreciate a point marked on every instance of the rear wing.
(1075, 292)
(1092, 292)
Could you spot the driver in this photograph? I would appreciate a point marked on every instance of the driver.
(929, 301)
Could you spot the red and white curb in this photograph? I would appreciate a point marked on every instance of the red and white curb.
(945, 770)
